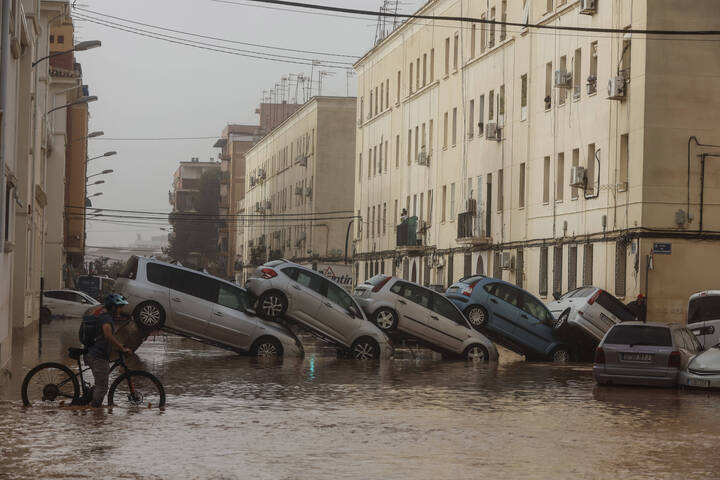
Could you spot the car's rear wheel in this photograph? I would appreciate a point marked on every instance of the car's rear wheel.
(386, 319)
(149, 316)
(476, 353)
(561, 355)
(365, 349)
(476, 315)
(561, 321)
(267, 347)
(272, 305)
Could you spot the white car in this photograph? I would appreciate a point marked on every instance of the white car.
(199, 306)
(704, 317)
(67, 303)
(590, 310)
(703, 370)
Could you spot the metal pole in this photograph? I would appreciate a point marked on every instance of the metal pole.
(4, 55)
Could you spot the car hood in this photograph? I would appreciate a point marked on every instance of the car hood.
(708, 360)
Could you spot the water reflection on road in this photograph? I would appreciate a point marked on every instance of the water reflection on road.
(326, 418)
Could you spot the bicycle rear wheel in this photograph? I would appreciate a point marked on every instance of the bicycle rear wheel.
(51, 384)
(137, 389)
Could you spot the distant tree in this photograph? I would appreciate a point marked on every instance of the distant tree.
(194, 242)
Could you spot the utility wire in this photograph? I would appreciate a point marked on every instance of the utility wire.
(151, 139)
(217, 38)
(77, 207)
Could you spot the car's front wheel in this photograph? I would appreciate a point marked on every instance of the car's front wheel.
(476, 315)
(149, 316)
(385, 319)
(267, 347)
(365, 349)
(561, 355)
(476, 353)
(272, 305)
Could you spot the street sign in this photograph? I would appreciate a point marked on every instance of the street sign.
(662, 248)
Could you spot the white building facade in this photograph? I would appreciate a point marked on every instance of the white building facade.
(551, 159)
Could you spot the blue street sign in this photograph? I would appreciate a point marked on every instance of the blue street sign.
(662, 248)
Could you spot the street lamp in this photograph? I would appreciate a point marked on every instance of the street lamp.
(82, 46)
(79, 101)
(104, 172)
(96, 182)
(88, 203)
(99, 133)
(106, 154)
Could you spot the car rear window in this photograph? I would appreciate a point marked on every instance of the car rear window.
(376, 280)
(639, 335)
(470, 280)
(615, 306)
(704, 309)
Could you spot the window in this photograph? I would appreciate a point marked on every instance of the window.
(562, 92)
(370, 113)
(572, 267)
(497, 265)
(374, 168)
(704, 309)
(452, 201)
(413, 293)
(359, 225)
(492, 28)
(384, 219)
(386, 155)
(546, 180)
(380, 160)
(521, 188)
(370, 167)
(160, 274)
(397, 151)
(399, 74)
(588, 264)
(620, 267)
(379, 221)
(471, 119)
(483, 34)
(445, 130)
(557, 269)
(417, 75)
(52, 38)
(624, 159)
(382, 96)
(523, 97)
(536, 309)
(443, 307)
(432, 65)
(592, 78)
(312, 281)
(634, 334)
(481, 115)
(339, 297)
(410, 78)
(387, 98)
(577, 72)
(454, 127)
(424, 81)
(417, 140)
(500, 199)
(414, 205)
(447, 56)
(488, 205)
(575, 163)
(396, 212)
(456, 52)
(372, 223)
(231, 297)
(491, 105)
(590, 172)
(549, 7)
(423, 143)
(472, 40)
(520, 267)
(503, 17)
(547, 100)
(196, 285)
(560, 178)
(61, 39)
(444, 202)
(543, 281)
(422, 203)
(367, 222)
(501, 106)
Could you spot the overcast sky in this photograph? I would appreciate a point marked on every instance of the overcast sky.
(151, 88)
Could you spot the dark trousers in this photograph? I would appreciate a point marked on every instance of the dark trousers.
(101, 372)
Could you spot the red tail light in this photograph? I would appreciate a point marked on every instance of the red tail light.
(377, 287)
(467, 291)
(599, 355)
(674, 359)
(594, 297)
(268, 273)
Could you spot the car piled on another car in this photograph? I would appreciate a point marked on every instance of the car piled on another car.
(198, 305)
(286, 289)
(512, 317)
(398, 305)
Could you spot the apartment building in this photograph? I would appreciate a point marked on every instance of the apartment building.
(299, 196)
(551, 159)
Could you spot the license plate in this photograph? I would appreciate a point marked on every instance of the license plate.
(637, 357)
(697, 382)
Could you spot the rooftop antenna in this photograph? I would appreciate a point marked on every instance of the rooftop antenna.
(322, 74)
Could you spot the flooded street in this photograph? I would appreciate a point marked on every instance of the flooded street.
(326, 418)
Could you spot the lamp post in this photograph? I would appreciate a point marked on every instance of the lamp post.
(106, 154)
(96, 182)
(82, 46)
(80, 101)
(104, 172)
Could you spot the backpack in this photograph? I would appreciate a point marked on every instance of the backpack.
(90, 328)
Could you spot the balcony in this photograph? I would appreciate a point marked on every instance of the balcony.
(470, 229)
(407, 235)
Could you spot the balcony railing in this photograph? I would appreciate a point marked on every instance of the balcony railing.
(406, 235)
(470, 226)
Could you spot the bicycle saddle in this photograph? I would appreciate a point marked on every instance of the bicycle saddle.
(75, 352)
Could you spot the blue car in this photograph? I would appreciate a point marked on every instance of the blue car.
(511, 317)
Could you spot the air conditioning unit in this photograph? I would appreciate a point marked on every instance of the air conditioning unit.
(491, 131)
(298, 190)
(508, 261)
(471, 206)
(616, 88)
(308, 191)
(588, 7)
(577, 177)
(563, 79)
(301, 160)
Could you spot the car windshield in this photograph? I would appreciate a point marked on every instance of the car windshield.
(639, 335)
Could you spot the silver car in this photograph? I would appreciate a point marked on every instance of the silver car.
(703, 370)
(652, 354)
(589, 310)
(200, 306)
(396, 304)
(68, 303)
(286, 289)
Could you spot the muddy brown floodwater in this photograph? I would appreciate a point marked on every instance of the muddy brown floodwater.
(326, 418)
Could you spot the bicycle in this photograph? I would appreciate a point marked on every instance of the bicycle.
(53, 383)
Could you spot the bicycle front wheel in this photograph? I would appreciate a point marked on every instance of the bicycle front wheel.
(137, 389)
(50, 384)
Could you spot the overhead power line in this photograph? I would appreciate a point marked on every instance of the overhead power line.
(464, 19)
(152, 139)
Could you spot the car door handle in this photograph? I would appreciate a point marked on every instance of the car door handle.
(296, 287)
(175, 299)
(402, 301)
(493, 300)
(219, 314)
(434, 317)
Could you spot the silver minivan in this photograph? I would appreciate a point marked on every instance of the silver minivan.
(194, 304)
(396, 304)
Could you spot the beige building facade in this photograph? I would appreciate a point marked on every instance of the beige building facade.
(551, 159)
(298, 194)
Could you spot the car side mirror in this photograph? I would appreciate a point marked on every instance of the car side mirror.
(556, 295)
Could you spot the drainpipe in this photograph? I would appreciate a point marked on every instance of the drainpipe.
(4, 56)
